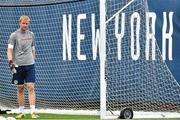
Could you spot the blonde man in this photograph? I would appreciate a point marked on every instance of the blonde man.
(21, 57)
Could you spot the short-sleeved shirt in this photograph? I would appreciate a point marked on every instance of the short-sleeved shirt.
(22, 43)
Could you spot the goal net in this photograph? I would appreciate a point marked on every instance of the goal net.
(60, 84)
(133, 81)
(68, 58)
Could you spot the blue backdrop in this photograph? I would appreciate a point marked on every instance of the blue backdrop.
(160, 6)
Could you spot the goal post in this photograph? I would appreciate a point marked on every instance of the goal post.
(102, 59)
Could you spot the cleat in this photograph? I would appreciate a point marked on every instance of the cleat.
(34, 116)
(21, 115)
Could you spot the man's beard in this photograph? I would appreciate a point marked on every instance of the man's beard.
(24, 29)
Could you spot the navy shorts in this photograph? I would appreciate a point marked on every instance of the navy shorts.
(24, 74)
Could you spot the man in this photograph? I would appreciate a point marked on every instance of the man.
(21, 59)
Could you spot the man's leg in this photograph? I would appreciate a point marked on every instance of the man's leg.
(32, 96)
(32, 99)
(20, 98)
(30, 82)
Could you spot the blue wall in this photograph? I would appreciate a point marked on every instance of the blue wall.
(160, 6)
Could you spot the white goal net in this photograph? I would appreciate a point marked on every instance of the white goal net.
(135, 81)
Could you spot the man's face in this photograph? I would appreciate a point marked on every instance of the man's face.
(24, 25)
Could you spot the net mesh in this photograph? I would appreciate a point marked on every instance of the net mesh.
(59, 84)
(140, 84)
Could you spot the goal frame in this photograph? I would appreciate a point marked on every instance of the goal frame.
(102, 59)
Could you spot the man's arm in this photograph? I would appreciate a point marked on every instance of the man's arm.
(33, 47)
(10, 62)
(11, 43)
(9, 54)
(34, 54)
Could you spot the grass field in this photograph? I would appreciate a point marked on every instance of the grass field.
(56, 116)
(74, 117)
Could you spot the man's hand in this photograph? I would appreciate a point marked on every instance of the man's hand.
(12, 66)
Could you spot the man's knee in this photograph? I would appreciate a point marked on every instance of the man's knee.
(30, 87)
(20, 89)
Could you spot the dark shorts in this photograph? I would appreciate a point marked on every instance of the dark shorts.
(24, 74)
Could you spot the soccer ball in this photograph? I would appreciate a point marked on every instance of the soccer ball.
(10, 118)
(2, 118)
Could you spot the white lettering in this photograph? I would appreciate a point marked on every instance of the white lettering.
(67, 36)
(80, 37)
(95, 37)
(135, 53)
(120, 35)
(150, 35)
(167, 36)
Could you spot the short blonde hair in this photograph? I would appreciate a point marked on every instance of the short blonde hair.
(24, 17)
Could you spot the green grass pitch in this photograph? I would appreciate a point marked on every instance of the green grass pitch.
(57, 117)
(73, 117)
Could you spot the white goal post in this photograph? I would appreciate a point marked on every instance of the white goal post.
(102, 58)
